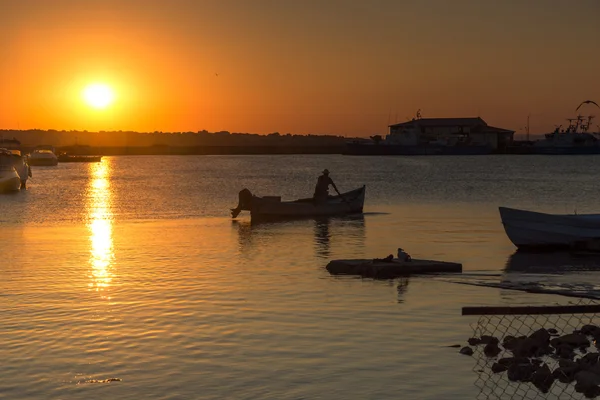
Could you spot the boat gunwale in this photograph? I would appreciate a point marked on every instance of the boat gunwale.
(349, 207)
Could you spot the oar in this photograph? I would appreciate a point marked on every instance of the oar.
(343, 198)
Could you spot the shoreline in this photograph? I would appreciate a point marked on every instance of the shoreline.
(371, 151)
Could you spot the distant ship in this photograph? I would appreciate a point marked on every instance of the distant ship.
(576, 139)
(435, 136)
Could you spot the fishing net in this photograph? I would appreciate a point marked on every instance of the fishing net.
(537, 352)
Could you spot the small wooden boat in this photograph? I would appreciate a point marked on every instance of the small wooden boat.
(272, 208)
(535, 230)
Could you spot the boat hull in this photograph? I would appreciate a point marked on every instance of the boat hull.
(9, 181)
(72, 158)
(272, 209)
(530, 230)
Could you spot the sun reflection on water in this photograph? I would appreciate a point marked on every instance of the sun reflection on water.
(100, 226)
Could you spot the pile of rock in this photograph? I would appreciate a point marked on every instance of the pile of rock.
(528, 358)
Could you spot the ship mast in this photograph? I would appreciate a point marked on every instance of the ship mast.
(579, 123)
(589, 123)
(571, 128)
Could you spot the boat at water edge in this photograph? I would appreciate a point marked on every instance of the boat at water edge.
(529, 230)
(65, 157)
(272, 208)
(43, 156)
(21, 166)
(9, 178)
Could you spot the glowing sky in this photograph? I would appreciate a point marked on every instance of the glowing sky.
(301, 66)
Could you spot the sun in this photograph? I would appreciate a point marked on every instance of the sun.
(98, 95)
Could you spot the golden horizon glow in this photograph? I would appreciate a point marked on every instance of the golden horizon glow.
(98, 95)
(100, 227)
(356, 70)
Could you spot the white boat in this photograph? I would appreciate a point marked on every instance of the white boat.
(21, 166)
(9, 178)
(531, 230)
(272, 208)
(43, 155)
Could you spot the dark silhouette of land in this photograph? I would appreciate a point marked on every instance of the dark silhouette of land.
(191, 143)
(202, 142)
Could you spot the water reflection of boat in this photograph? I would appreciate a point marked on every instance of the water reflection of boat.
(251, 233)
(557, 262)
(549, 273)
(402, 288)
(348, 231)
(322, 237)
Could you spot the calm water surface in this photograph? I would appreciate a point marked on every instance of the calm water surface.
(132, 269)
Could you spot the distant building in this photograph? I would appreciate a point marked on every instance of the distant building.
(449, 131)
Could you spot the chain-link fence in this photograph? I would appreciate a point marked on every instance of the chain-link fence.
(546, 352)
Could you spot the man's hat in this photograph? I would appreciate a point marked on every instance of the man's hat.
(326, 171)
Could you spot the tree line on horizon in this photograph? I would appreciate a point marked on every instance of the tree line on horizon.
(35, 137)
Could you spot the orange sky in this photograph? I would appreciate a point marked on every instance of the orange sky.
(343, 67)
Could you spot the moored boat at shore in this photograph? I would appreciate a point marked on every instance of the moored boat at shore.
(21, 166)
(272, 208)
(43, 156)
(65, 157)
(529, 230)
(9, 178)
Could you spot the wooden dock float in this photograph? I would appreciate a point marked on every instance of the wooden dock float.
(391, 269)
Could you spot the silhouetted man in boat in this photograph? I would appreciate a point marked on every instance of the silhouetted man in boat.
(322, 188)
